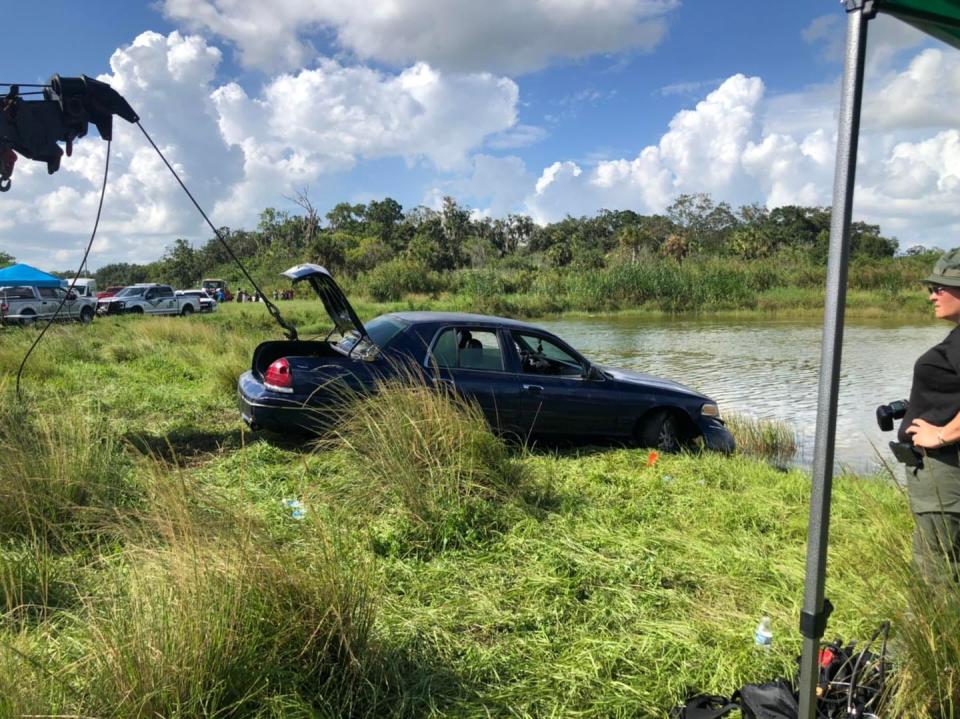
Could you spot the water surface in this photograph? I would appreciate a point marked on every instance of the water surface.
(769, 369)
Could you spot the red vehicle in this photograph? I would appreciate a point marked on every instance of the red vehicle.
(110, 291)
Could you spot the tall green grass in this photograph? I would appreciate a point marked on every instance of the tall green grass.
(61, 472)
(768, 439)
(420, 581)
(926, 639)
(428, 455)
(202, 613)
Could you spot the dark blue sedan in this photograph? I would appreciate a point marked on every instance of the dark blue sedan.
(529, 383)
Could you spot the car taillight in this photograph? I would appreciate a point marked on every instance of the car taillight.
(279, 377)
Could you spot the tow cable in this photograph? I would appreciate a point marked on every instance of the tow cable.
(290, 329)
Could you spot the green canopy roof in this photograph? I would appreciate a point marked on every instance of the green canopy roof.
(939, 18)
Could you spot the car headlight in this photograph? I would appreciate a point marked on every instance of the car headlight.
(710, 410)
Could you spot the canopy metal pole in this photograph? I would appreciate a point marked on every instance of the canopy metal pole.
(813, 618)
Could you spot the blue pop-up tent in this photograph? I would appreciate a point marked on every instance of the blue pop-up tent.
(25, 275)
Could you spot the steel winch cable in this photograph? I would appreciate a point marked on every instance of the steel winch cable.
(291, 330)
(73, 284)
(271, 308)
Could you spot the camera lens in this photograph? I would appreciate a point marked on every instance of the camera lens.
(885, 417)
(886, 413)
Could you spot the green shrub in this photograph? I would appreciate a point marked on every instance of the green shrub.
(392, 280)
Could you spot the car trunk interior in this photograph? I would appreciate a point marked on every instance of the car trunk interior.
(267, 352)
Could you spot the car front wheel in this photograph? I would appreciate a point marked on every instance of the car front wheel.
(661, 431)
(86, 315)
(186, 311)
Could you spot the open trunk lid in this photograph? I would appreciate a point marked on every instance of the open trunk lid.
(334, 301)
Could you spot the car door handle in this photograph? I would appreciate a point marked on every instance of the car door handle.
(533, 388)
(445, 382)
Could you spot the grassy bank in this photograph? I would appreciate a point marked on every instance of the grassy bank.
(783, 285)
(157, 560)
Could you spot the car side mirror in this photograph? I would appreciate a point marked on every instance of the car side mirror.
(593, 374)
(71, 295)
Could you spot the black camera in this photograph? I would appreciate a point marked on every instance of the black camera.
(907, 454)
(886, 413)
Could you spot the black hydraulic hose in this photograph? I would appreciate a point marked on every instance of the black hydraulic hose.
(83, 262)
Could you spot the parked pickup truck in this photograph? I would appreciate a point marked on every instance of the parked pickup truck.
(207, 303)
(25, 305)
(148, 299)
(84, 287)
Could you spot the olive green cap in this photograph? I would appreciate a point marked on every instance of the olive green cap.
(946, 271)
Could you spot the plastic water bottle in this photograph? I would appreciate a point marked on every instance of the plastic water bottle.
(763, 636)
(297, 510)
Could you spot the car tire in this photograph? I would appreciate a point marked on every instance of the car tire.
(662, 431)
(136, 310)
(86, 315)
(186, 311)
(28, 319)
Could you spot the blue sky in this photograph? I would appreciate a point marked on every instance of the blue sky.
(546, 108)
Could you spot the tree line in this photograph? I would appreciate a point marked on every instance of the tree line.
(352, 239)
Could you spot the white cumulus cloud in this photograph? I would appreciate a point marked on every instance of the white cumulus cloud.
(742, 147)
(701, 152)
(239, 151)
(504, 36)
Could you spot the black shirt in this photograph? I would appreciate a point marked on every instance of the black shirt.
(935, 393)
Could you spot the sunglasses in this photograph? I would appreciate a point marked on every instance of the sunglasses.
(935, 289)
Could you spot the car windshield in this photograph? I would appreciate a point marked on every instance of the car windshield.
(383, 329)
(131, 292)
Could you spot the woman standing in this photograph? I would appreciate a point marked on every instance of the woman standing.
(932, 423)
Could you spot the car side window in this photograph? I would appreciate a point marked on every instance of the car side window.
(539, 355)
(463, 348)
(16, 293)
(164, 292)
(48, 293)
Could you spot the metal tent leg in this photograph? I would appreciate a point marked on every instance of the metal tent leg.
(813, 617)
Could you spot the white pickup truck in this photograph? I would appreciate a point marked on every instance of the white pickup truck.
(25, 305)
(148, 299)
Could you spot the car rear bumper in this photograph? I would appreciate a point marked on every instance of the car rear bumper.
(261, 408)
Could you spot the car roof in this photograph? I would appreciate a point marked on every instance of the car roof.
(425, 317)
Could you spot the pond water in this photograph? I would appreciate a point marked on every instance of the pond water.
(769, 369)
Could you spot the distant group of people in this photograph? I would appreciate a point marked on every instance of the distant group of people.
(243, 296)
(256, 297)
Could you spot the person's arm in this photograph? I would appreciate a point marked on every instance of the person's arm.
(930, 436)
